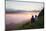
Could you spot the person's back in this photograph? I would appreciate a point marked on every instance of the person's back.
(32, 19)
(36, 17)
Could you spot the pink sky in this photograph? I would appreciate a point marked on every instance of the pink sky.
(19, 18)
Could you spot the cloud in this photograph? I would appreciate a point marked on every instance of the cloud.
(24, 5)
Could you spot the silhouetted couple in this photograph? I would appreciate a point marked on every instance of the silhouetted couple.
(33, 19)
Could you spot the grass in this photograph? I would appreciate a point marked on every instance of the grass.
(35, 25)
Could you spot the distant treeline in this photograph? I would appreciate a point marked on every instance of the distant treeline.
(18, 11)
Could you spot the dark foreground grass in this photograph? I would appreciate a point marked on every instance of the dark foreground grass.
(36, 25)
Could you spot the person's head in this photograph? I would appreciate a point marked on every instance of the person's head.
(32, 16)
(35, 15)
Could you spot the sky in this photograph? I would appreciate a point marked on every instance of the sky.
(27, 6)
